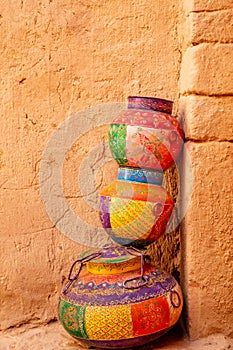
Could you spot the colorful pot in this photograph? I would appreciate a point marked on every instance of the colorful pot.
(134, 210)
(117, 301)
(146, 135)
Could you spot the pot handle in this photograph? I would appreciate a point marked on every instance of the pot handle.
(178, 303)
(80, 263)
(141, 279)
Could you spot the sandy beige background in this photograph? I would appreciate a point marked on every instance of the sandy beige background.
(61, 57)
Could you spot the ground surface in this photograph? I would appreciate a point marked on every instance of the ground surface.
(53, 337)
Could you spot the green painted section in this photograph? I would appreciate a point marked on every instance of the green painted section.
(117, 140)
(73, 319)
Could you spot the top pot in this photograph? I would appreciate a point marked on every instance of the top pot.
(146, 135)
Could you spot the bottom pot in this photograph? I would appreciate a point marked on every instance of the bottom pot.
(114, 300)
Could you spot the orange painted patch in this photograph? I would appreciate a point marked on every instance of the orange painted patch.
(150, 316)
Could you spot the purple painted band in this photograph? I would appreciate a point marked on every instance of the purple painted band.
(123, 343)
(150, 103)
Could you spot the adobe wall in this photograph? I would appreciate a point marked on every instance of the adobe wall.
(206, 88)
(59, 58)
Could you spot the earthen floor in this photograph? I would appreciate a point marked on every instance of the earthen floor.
(53, 337)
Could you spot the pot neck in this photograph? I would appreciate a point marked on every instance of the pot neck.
(154, 177)
(150, 103)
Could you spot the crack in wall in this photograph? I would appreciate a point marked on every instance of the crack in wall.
(211, 11)
(207, 139)
(197, 93)
(32, 323)
(202, 41)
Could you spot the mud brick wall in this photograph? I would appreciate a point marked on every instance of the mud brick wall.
(206, 87)
(59, 58)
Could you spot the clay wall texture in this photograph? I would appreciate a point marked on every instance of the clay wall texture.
(58, 58)
(206, 110)
(61, 57)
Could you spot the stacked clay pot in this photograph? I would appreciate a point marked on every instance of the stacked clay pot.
(113, 298)
(145, 140)
(115, 301)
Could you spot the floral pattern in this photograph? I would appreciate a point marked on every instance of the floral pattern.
(150, 139)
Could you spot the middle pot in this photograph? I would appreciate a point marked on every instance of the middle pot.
(135, 209)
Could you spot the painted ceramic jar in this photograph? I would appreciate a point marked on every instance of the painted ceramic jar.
(135, 209)
(146, 135)
(115, 300)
